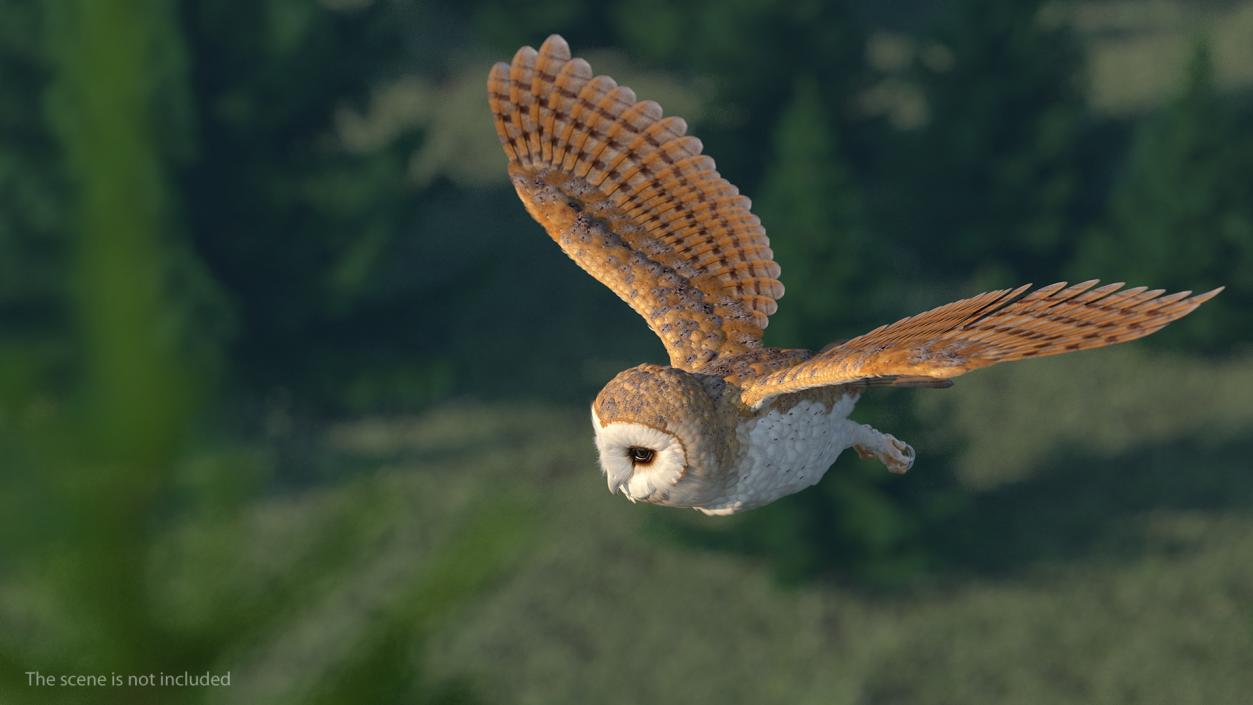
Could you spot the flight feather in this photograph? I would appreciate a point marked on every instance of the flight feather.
(628, 195)
(996, 326)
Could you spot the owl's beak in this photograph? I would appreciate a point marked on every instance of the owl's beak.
(613, 486)
(620, 487)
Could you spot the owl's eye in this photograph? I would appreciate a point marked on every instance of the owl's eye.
(640, 456)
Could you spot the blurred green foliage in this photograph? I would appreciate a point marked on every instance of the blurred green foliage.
(1182, 213)
(234, 235)
(809, 193)
(110, 443)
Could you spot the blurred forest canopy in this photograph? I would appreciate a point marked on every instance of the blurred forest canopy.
(340, 220)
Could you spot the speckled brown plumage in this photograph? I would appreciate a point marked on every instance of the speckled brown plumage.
(631, 199)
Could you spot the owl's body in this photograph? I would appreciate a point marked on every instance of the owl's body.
(784, 449)
(731, 425)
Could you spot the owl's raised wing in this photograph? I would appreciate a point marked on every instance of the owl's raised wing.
(631, 199)
(997, 326)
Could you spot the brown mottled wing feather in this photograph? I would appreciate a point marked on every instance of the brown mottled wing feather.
(630, 198)
(997, 326)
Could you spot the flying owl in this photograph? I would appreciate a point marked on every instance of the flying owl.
(731, 425)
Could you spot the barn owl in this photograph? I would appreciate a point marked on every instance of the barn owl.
(730, 425)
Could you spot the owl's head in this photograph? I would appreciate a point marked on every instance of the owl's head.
(659, 435)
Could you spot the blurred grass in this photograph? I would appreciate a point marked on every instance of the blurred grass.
(1129, 42)
(97, 463)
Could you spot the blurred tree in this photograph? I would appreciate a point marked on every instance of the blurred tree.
(294, 221)
(752, 52)
(506, 25)
(1180, 216)
(996, 171)
(102, 468)
(32, 221)
(815, 211)
(98, 463)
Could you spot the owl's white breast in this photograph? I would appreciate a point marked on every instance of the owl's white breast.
(785, 450)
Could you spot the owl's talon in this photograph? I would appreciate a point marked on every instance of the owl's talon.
(902, 460)
(896, 455)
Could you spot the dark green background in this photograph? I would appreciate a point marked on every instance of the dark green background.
(292, 387)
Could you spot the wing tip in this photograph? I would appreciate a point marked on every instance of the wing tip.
(524, 55)
(555, 46)
(1201, 298)
(497, 78)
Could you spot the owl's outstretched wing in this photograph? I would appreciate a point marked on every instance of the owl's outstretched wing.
(997, 326)
(631, 199)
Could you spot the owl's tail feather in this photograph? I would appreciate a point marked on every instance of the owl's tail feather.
(619, 158)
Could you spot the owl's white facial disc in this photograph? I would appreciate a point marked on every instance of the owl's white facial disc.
(640, 461)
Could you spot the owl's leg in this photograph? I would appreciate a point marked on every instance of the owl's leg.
(894, 453)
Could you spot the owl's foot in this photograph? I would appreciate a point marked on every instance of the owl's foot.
(895, 454)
